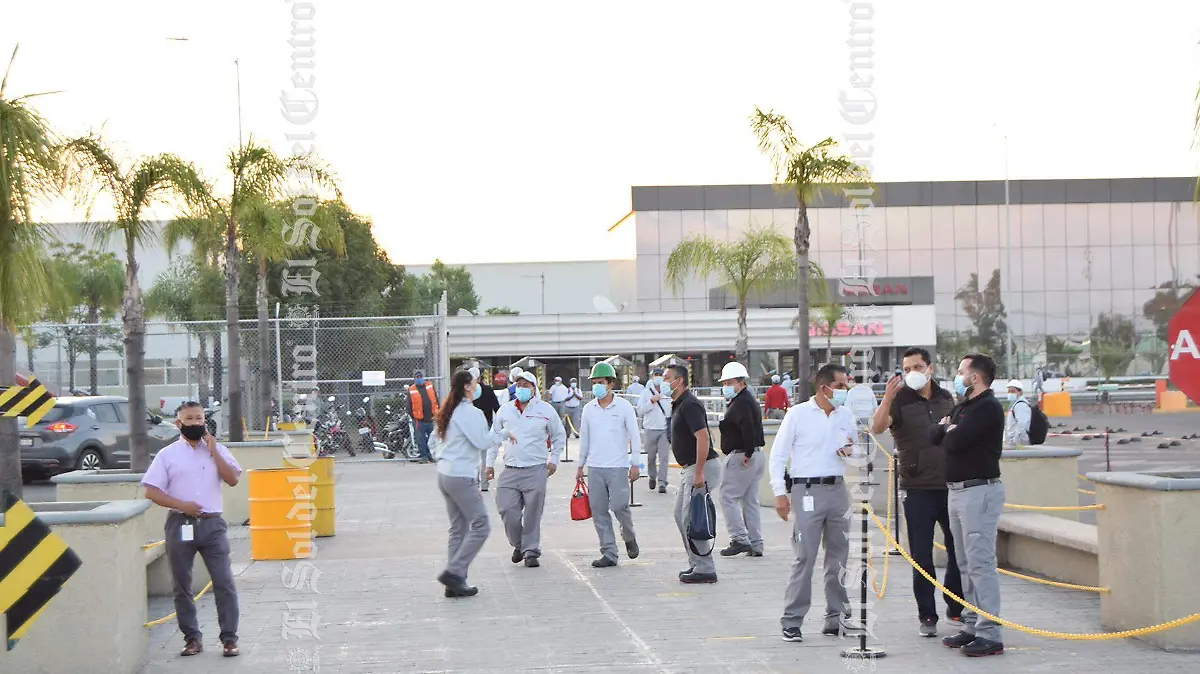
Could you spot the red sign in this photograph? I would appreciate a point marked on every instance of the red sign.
(846, 329)
(1184, 353)
(886, 289)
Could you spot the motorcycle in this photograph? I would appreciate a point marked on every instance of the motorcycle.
(399, 435)
(366, 430)
(330, 434)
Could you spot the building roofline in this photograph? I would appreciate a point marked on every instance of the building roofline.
(921, 193)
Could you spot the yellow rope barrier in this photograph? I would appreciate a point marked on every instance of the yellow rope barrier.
(1083, 477)
(155, 623)
(1043, 581)
(1098, 506)
(1089, 492)
(1100, 636)
(153, 545)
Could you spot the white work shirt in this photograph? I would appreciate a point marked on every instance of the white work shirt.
(807, 443)
(1016, 423)
(558, 393)
(635, 388)
(575, 396)
(467, 437)
(654, 415)
(533, 426)
(606, 435)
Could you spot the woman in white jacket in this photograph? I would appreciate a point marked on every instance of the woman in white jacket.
(462, 434)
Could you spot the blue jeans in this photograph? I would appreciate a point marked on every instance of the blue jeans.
(424, 430)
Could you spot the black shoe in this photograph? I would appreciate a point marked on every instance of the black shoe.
(604, 563)
(653, 484)
(756, 553)
(632, 549)
(689, 571)
(981, 647)
(837, 626)
(958, 640)
(483, 487)
(517, 556)
(456, 586)
(531, 560)
(662, 488)
(736, 548)
(694, 578)
(792, 634)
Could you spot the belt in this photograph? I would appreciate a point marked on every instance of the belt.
(955, 486)
(536, 465)
(201, 516)
(809, 481)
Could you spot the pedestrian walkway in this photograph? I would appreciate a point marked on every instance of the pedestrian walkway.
(380, 609)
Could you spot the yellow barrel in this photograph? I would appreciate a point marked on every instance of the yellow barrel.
(1056, 404)
(323, 497)
(281, 513)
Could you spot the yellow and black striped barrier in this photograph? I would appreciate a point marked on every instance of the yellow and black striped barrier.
(31, 401)
(34, 566)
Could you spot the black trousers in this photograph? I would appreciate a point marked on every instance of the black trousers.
(924, 509)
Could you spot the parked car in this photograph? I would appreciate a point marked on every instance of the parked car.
(84, 433)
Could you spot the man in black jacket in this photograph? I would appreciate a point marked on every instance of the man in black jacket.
(488, 404)
(741, 438)
(973, 437)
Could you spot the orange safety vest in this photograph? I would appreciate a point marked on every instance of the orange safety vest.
(418, 403)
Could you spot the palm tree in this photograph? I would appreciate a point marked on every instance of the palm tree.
(258, 174)
(831, 313)
(161, 179)
(29, 171)
(804, 171)
(190, 291)
(761, 260)
(266, 229)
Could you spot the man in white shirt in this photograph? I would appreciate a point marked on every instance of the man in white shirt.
(558, 397)
(807, 463)
(609, 448)
(574, 407)
(636, 388)
(1016, 422)
(655, 410)
(528, 425)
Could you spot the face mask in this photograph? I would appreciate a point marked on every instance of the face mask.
(1012, 397)
(728, 392)
(193, 433)
(677, 386)
(960, 385)
(839, 397)
(658, 382)
(478, 392)
(916, 380)
(599, 390)
(524, 394)
(419, 380)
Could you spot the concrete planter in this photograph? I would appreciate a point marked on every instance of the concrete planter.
(1150, 553)
(97, 619)
(1042, 476)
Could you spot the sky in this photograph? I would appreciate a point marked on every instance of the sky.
(488, 132)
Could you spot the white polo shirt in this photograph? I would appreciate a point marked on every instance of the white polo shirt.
(807, 443)
(606, 435)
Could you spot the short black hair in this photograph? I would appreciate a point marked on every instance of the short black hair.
(918, 351)
(828, 373)
(680, 371)
(187, 405)
(984, 365)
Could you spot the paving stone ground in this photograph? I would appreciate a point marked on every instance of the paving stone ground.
(381, 611)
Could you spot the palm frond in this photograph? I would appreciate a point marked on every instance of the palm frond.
(697, 255)
(775, 138)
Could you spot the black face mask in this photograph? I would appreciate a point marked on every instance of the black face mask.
(193, 433)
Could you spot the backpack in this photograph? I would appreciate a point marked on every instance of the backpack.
(1039, 425)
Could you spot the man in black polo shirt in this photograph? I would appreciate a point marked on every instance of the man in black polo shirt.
(911, 405)
(973, 437)
(701, 469)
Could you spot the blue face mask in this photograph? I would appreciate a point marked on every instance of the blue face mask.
(524, 394)
(960, 385)
(729, 392)
(419, 380)
(478, 392)
(599, 390)
(658, 382)
(839, 397)
(1012, 397)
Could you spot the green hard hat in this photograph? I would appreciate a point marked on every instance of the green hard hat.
(603, 370)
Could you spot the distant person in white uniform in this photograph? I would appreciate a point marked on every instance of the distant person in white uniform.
(636, 388)
(558, 397)
(574, 407)
(1016, 421)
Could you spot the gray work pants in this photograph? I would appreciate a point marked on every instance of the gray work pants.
(469, 526)
(559, 408)
(608, 494)
(739, 498)
(208, 539)
(683, 500)
(575, 415)
(776, 414)
(658, 460)
(827, 522)
(520, 498)
(974, 516)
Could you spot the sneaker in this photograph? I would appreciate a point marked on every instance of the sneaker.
(653, 484)
(230, 649)
(958, 640)
(981, 647)
(517, 556)
(632, 549)
(694, 578)
(736, 548)
(531, 561)
(928, 627)
(604, 563)
(191, 647)
(792, 634)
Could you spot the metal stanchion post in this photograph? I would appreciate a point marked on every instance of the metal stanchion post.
(641, 470)
(1107, 458)
(895, 478)
(863, 651)
(566, 457)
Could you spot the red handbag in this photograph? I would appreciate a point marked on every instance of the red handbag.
(581, 507)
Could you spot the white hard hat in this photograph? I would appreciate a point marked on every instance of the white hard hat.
(734, 370)
(1015, 383)
(774, 379)
(515, 372)
(636, 378)
(474, 373)
(527, 376)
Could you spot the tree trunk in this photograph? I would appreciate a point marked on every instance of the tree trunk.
(72, 358)
(265, 364)
(828, 343)
(29, 353)
(135, 365)
(93, 315)
(218, 368)
(743, 339)
(10, 439)
(803, 366)
(202, 372)
(232, 270)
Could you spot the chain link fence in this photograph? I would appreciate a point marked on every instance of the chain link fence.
(296, 354)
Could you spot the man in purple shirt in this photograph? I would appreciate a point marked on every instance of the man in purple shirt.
(186, 478)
